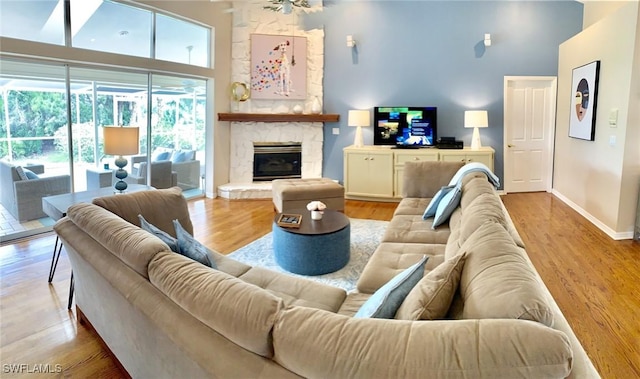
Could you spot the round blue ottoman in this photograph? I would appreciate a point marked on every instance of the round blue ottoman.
(316, 247)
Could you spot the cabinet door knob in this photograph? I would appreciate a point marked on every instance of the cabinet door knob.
(416, 158)
(366, 158)
(371, 158)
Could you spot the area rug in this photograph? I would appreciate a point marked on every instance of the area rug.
(365, 238)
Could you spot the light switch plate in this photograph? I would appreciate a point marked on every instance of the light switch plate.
(335, 131)
(613, 117)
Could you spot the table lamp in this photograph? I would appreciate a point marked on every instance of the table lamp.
(475, 120)
(119, 140)
(359, 119)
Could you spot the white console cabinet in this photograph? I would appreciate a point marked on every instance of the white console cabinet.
(376, 172)
(368, 172)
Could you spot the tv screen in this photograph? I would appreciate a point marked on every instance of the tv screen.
(405, 126)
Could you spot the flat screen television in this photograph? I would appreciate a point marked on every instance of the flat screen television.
(409, 127)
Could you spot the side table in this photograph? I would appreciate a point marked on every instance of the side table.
(99, 178)
(317, 247)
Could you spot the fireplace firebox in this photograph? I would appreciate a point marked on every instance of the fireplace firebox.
(277, 160)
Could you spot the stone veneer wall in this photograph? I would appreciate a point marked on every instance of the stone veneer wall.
(248, 18)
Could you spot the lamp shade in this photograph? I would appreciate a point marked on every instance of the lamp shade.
(359, 118)
(119, 140)
(476, 119)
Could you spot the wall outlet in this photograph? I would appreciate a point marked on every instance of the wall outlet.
(335, 131)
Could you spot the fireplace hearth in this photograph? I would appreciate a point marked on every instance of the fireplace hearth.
(277, 160)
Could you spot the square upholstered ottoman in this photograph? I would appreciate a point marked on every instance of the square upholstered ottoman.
(291, 194)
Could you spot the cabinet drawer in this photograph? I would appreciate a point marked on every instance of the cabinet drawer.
(401, 157)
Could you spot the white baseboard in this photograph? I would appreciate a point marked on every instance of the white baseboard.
(610, 232)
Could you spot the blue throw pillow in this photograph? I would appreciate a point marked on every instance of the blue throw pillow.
(30, 174)
(446, 206)
(190, 247)
(180, 156)
(160, 156)
(384, 303)
(433, 205)
(164, 236)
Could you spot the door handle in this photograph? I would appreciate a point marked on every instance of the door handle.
(510, 145)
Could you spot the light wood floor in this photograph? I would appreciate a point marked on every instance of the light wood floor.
(593, 278)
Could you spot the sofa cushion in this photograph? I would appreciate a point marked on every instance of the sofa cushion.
(412, 206)
(318, 344)
(159, 207)
(484, 208)
(132, 245)
(424, 179)
(354, 301)
(413, 229)
(294, 290)
(431, 297)
(391, 258)
(165, 237)
(242, 312)
(190, 247)
(385, 302)
(498, 281)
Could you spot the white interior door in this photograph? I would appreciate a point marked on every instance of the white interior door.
(529, 124)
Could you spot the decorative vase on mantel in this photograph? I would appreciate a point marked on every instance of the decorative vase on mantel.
(316, 107)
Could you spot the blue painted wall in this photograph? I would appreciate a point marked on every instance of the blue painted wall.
(430, 53)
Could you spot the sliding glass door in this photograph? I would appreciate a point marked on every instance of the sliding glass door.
(39, 126)
(34, 116)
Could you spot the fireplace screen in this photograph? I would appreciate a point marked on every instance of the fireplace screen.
(277, 160)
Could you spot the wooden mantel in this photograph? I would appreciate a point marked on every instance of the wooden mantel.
(283, 117)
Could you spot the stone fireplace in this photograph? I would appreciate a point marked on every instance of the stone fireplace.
(277, 160)
(243, 137)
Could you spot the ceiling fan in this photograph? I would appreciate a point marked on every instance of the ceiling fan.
(284, 6)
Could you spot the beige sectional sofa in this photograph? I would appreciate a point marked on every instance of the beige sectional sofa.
(164, 315)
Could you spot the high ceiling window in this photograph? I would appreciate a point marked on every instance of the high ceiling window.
(108, 26)
(111, 27)
(37, 20)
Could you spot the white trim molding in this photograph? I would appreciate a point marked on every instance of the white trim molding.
(610, 232)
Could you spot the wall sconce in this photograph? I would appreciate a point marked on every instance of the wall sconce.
(350, 41)
(487, 39)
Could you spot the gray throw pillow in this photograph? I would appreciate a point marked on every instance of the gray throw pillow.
(190, 247)
(164, 236)
(21, 173)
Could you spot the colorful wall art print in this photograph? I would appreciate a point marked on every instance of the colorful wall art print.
(278, 67)
(584, 89)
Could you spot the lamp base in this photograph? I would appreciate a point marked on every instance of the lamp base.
(121, 173)
(475, 139)
(358, 141)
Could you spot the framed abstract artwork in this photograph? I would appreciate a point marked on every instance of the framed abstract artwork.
(584, 86)
(278, 67)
